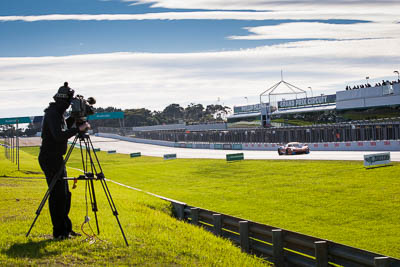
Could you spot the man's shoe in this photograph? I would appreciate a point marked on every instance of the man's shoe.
(72, 233)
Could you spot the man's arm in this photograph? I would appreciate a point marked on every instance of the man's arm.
(70, 121)
(55, 127)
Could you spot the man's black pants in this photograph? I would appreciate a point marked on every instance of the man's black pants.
(60, 196)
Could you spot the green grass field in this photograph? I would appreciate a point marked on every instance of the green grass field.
(336, 200)
(155, 237)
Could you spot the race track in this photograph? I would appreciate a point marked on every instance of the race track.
(125, 147)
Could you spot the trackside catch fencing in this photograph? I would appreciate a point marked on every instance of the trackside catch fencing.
(282, 247)
(11, 149)
(374, 130)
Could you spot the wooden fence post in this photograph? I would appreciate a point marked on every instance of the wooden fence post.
(321, 253)
(194, 213)
(217, 220)
(179, 210)
(244, 236)
(277, 240)
(381, 261)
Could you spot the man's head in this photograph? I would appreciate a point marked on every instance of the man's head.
(64, 94)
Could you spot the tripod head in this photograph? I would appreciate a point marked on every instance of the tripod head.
(83, 135)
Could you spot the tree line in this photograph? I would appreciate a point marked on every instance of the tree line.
(173, 113)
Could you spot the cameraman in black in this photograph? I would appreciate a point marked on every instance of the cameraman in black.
(55, 134)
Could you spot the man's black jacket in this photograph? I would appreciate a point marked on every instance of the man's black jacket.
(56, 130)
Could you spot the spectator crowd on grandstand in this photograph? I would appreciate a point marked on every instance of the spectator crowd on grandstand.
(369, 85)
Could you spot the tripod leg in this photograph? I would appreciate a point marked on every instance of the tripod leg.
(100, 176)
(94, 204)
(113, 208)
(41, 205)
(92, 193)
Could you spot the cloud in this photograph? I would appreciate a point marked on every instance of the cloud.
(305, 5)
(154, 80)
(133, 80)
(383, 15)
(317, 30)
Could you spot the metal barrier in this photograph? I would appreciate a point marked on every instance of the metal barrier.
(282, 247)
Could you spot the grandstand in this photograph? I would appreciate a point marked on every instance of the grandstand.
(345, 106)
(364, 114)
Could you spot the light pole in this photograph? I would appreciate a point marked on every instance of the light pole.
(398, 76)
(246, 99)
(311, 91)
(367, 78)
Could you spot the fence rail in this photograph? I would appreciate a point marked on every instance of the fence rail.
(282, 247)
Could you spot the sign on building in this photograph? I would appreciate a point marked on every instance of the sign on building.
(106, 115)
(248, 108)
(309, 101)
(15, 120)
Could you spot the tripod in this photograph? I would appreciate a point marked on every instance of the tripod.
(91, 172)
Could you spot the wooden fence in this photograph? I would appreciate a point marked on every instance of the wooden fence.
(282, 247)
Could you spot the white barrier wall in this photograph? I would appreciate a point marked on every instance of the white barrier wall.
(384, 145)
(136, 140)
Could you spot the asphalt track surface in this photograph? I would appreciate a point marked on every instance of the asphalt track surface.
(125, 147)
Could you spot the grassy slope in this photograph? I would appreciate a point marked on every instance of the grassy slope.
(155, 237)
(340, 201)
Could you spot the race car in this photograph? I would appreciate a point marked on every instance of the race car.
(293, 148)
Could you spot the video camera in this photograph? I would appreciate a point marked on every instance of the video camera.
(81, 108)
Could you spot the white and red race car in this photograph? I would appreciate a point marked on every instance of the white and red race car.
(293, 148)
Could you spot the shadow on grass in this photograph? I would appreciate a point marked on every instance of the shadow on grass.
(31, 172)
(379, 166)
(31, 249)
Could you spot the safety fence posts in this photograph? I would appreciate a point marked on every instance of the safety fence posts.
(11, 149)
(11, 139)
(280, 246)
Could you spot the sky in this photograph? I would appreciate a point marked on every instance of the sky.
(152, 53)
